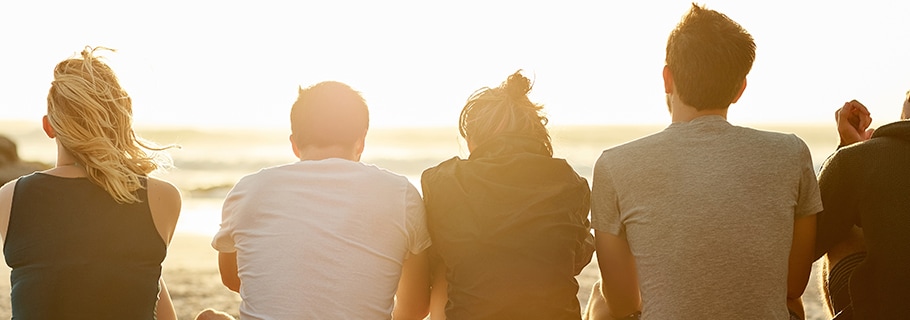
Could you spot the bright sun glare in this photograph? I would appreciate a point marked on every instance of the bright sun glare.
(207, 63)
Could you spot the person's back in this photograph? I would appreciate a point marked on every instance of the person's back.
(81, 248)
(705, 220)
(86, 238)
(708, 210)
(509, 238)
(321, 239)
(509, 223)
(865, 185)
(326, 237)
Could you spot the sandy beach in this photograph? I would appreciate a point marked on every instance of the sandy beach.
(191, 274)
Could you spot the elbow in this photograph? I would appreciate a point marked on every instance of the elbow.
(412, 313)
(794, 293)
(408, 310)
(232, 283)
(795, 290)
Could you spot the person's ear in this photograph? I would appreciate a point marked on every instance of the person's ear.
(358, 147)
(905, 113)
(48, 129)
(740, 94)
(668, 80)
(294, 146)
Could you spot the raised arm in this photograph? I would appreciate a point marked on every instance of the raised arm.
(412, 301)
(853, 120)
(617, 269)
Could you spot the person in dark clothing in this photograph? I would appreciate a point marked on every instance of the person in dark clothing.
(86, 238)
(865, 227)
(509, 224)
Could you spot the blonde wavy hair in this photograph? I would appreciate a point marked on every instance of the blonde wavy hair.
(92, 118)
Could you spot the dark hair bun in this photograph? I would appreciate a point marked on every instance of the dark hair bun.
(517, 85)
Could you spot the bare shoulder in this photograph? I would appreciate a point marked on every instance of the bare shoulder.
(164, 203)
(162, 189)
(6, 205)
(163, 196)
(6, 197)
(7, 189)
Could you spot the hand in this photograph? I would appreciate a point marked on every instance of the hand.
(853, 120)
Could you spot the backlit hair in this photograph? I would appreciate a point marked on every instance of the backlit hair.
(905, 113)
(709, 56)
(506, 109)
(329, 113)
(92, 118)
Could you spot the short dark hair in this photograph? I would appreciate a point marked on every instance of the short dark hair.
(329, 113)
(709, 56)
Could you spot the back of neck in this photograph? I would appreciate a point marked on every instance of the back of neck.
(681, 112)
(327, 152)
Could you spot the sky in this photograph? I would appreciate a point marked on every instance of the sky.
(238, 64)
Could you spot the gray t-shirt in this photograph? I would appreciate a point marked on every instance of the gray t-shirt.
(708, 211)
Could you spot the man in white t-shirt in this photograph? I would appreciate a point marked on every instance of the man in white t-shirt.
(327, 237)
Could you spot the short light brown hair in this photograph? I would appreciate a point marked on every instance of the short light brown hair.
(709, 56)
(329, 113)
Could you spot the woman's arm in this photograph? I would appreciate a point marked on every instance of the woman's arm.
(164, 310)
(164, 203)
(6, 205)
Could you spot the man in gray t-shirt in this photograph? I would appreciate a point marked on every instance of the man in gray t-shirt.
(705, 220)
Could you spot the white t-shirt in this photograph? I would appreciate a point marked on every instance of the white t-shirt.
(321, 239)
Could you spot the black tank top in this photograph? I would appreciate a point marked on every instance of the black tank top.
(75, 253)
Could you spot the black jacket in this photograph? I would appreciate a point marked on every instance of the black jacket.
(868, 185)
(511, 226)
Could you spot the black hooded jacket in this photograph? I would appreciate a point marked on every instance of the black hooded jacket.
(511, 226)
(868, 185)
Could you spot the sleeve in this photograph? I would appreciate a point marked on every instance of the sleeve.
(809, 200)
(840, 212)
(418, 236)
(224, 239)
(605, 213)
(585, 247)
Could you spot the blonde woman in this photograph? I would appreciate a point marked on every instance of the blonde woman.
(86, 238)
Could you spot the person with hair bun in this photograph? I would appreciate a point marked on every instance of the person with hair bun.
(509, 224)
(86, 238)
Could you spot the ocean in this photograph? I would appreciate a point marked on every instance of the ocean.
(210, 160)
